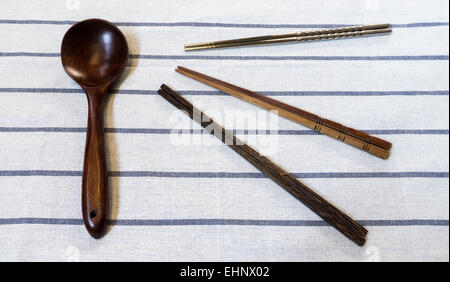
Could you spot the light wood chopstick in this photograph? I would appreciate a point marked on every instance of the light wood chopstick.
(314, 35)
(358, 139)
(331, 214)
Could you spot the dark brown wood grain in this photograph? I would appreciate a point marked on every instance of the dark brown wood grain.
(335, 217)
(371, 144)
(94, 53)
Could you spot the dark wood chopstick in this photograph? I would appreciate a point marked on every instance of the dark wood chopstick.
(373, 145)
(335, 217)
(313, 35)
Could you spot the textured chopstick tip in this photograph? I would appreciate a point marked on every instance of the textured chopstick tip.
(198, 46)
(385, 154)
(377, 31)
(360, 241)
(161, 87)
(376, 26)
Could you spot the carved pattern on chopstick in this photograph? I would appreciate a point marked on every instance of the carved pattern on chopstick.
(318, 125)
(342, 133)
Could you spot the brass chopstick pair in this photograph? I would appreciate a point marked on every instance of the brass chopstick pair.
(350, 136)
(314, 35)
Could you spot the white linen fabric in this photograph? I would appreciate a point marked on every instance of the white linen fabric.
(197, 201)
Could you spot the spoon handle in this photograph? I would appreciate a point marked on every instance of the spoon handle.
(95, 178)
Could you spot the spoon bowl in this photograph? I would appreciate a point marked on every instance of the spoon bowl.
(94, 54)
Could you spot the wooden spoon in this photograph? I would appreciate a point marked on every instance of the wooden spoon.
(94, 53)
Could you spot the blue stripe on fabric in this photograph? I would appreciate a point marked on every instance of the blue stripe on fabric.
(245, 222)
(254, 58)
(230, 25)
(220, 93)
(295, 58)
(236, 131)
(198, 174)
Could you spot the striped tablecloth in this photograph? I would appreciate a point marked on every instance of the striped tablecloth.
(172, 201)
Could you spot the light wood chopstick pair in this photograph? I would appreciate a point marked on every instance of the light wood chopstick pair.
(373, 145)
(314, 35)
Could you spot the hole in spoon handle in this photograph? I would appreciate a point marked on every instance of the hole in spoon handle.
(95, 178)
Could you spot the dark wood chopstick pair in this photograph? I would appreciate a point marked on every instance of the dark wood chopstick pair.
(335, 217)
(315, 35)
